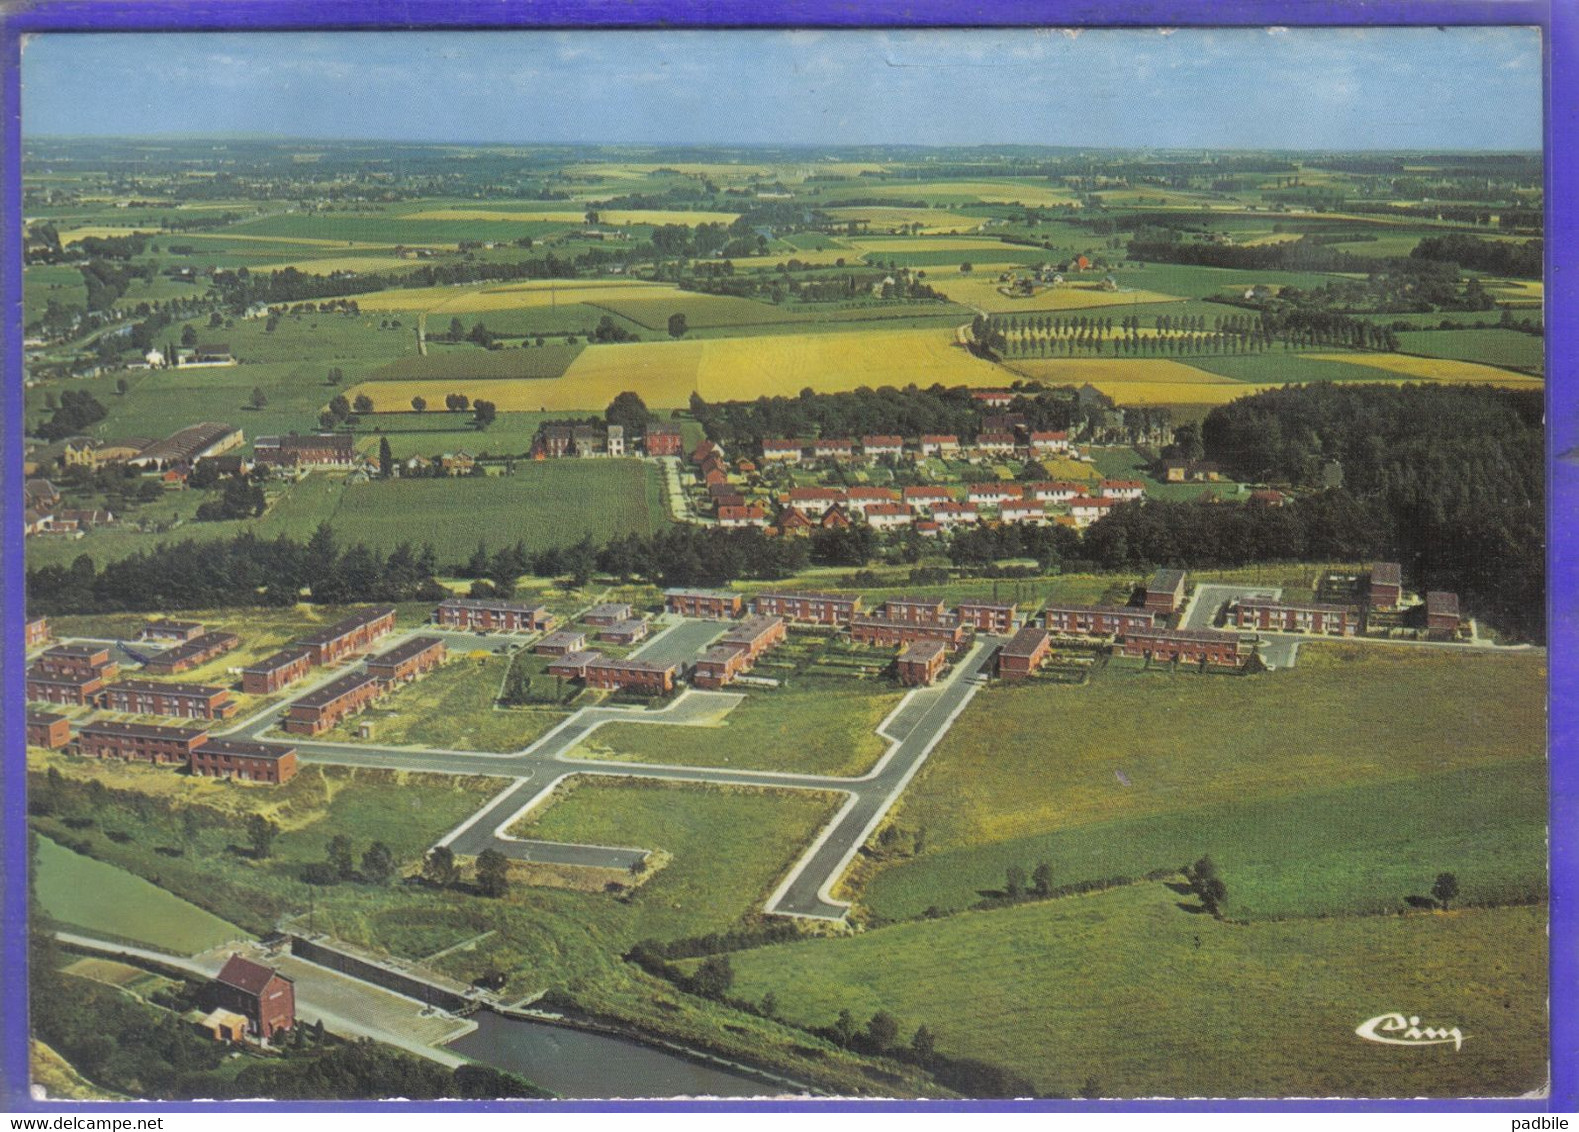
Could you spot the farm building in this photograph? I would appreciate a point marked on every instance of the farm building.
(987, 616)
(1386, 585)
(609, 613)
(1293, 617)
(806, 607)
(181, 701)
(36, 632)
(492, 616)
(186, 446)
(48, 729)
(640, 675)
(703, 603)
(1026, 651)
(351, 635)
(917, 610)
(322, 708)
(781, 451)
(920, 662)
(266, 998)
(1441, 613)
(244, 761)
(407, 660)
(562, 643)
(1188, 646)
(197, 651)
(883, 631)
(1097, 620)
(1165, 592)
(166, 630)
(663, 440)
(624, 632)
(318, 450)
(269, 675)
(139, 742)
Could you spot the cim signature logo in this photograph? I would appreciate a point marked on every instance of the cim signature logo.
(1397, 1030)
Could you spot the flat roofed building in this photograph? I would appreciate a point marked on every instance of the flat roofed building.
(1026, 651)
(273, 673)
(493, 616)
(408, 660)
(48, 729)
(322, 708)
(180, 701)
(350, 635)
(920, 662)
(703, 603)
(1165, 591)
(139, 742)
(244, 761)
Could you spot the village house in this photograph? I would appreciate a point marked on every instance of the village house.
(351, 635)
(1026, 651)
(47, 729)
(273, 673)
(317, 450)
(1085, 509)
(995, 443)
(1123, 489)
(793, 522)
(1292, 617)
(813, 501)
(158, 744)
(325, 706)
(180, 701)
(266, 998)
(1097, 620)
(1048, 443)
(835, 519)
(923, 498)
(860, 498)
(1165, 592)
(780, 451)
(662, 439)
(807, 607)
(703, 603)
(197, 651)
(407, 660)
(920, 662)
(750, 515)
(887, 516)
(1188, 646)
(939, 444)
(244, 761)
(986, 616)
(833, 448)
(993, 494)
(993, 398)
(490, 615)
(1033, 513)
(954, 514)
(562, 643)
(1191, 471)
(877, 447)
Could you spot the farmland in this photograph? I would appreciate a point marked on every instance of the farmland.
(1444, 370)
(982, 291)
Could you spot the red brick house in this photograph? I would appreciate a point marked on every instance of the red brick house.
(917, 610)
(1026, 651)
(756, 635)
(1293, 617)
(182, 701)
(624, 632)
(167, 630)
(36, 632)
(77, 660)
(271, 674)
(351, 635)
(989, 617)
(641, 675)
(48, 729)
(77, 689)
(266, 998)
(492, 616)
(882, 631)
(609, 613)
(1188, 646)
(719, 666)
(703, 603)
(1097, 620)
(408, 660)
(140, 742)
(807, 607)
(1386, 585)
(562, 643)
(572, 665)
(244, 761)
(1165, 591)
(322, 708)
(920, 662)
(751, 515)
(197, 651)
(663, 440)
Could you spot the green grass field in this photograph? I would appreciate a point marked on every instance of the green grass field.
(1126, 991)
(1279, 366)
(815, 726)
(1512, 349)
(1236, 755)
(535, 362)
(82, 894)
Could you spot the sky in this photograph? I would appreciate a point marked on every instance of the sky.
(1281, 88)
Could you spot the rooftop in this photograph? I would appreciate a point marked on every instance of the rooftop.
(328, 693)
(1025, 642)
(170, 689)
(1169, 580)
(405, 651)
(140, 730)
(248, 749)
(922, 650)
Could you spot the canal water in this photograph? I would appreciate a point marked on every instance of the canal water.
(578, 1065)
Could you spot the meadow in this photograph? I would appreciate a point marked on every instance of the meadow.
(1511, 349)
(1124, 994)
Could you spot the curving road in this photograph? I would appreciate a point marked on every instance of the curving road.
(913, 729)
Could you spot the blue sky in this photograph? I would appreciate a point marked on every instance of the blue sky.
(1417, 88)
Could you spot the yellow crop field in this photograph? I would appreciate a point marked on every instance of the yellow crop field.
(579, 217)
(1070, 470)
(1140, 381)
(515, 296)
(98, 232)
(827, 257)
(1444, 370)
(667, 373)
(988, 192)
(933, 221)
(1517, 289)
(304, 241)
(881, 245)
(980, 290)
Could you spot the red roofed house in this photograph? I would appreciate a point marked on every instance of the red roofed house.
(833, 447)
(940, 444)
(925, 498)
(794, 522)
(878, 446)
(1044, 442)
(1034, 513)
(954, 514)
(835, 519)
(748, 516)
(1086, 509)
(813, 500)
(993, 398)
(991, 494)
(1123, 489)
(995, 443)
(266, 998)
(920, 662)
(887, 516)
(781, 451)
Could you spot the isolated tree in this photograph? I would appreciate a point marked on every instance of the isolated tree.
(378, 863)
(363, 403)
(1014, 882)
(261, 833)
(122, 385)
(339, 406)
(714, 977)
(439, 868)
(386, 458)
(419, 404)
(1445, 890)
(1042, 879)
(677, 327)
(484, 413)
(883, 1030)
(493, 873)
(923, 1045)
(259, 398)
(628, 411)
(336, 375)
(844, 1029)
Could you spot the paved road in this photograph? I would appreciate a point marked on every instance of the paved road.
(913, 729)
